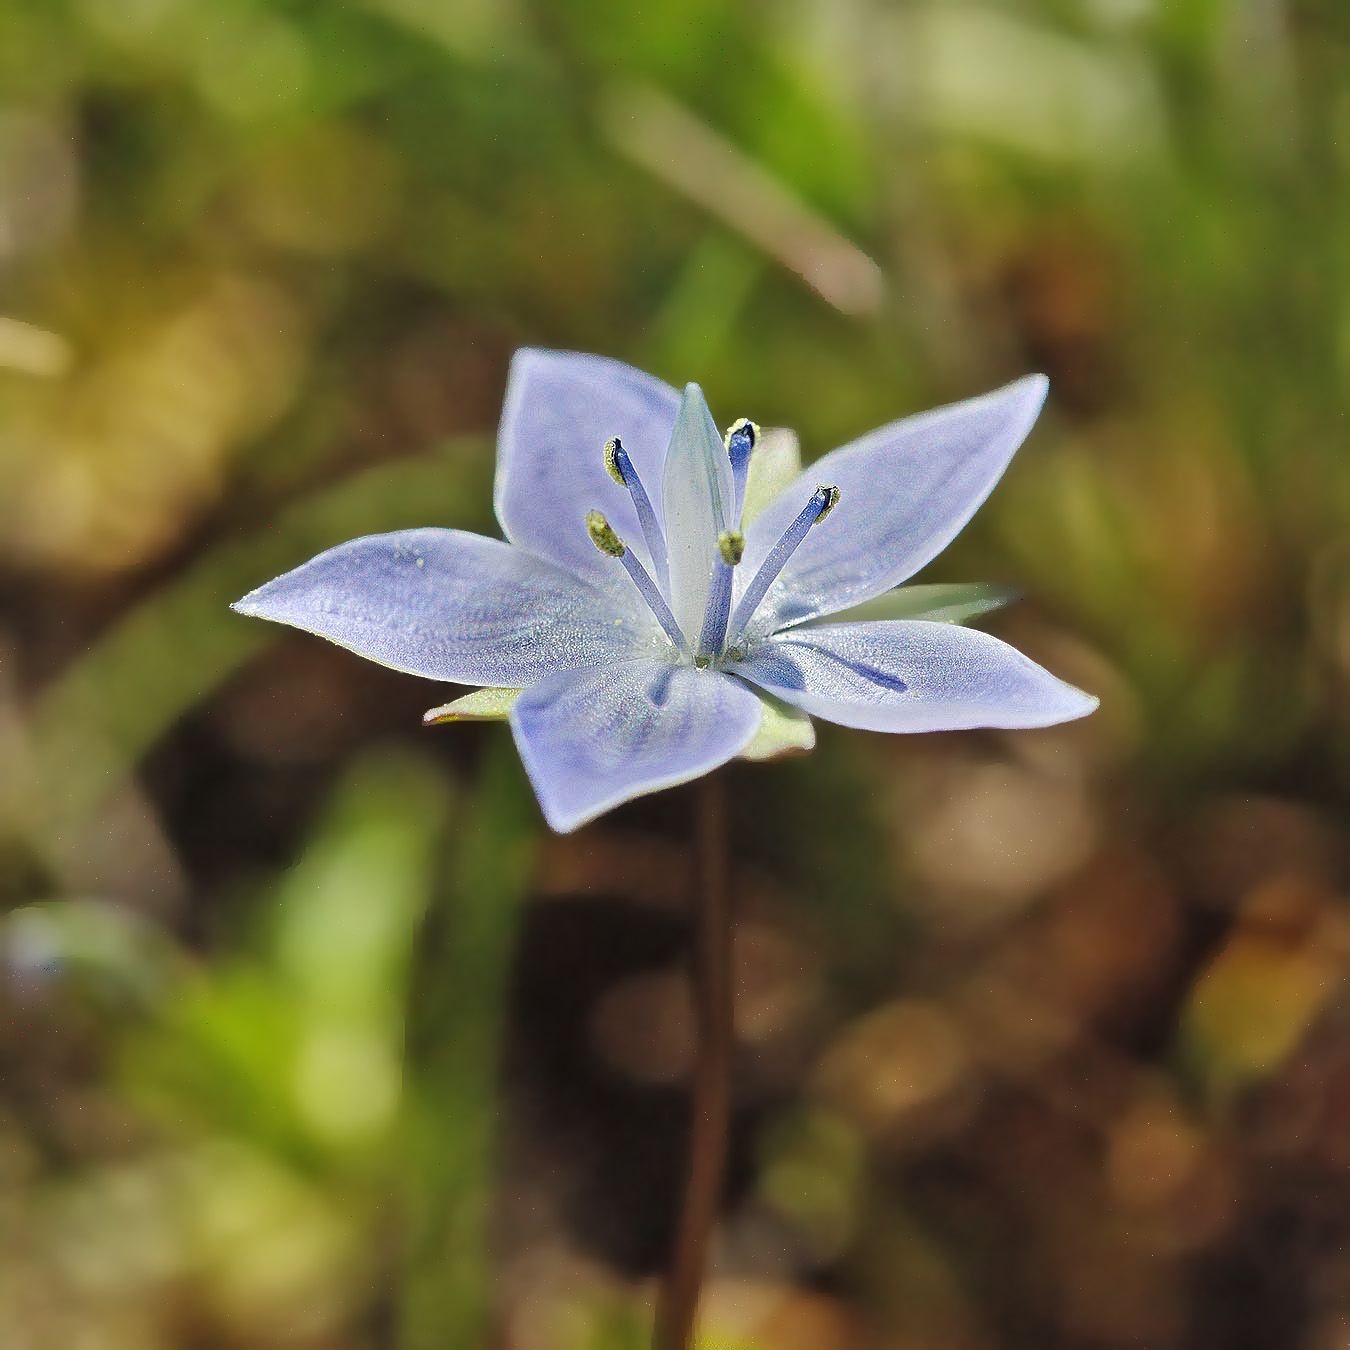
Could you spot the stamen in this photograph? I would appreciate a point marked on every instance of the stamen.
(621, 470)
(608, 542)
(740, 441)
(603, 536)
(730, 547)
(821, 504)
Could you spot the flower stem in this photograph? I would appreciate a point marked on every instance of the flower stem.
(678, 1301)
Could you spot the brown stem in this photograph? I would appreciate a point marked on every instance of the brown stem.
(678, 1301)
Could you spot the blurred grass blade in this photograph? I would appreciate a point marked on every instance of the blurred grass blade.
(687, 154)
(455, 1047)
(295, 1044)
(699, 314)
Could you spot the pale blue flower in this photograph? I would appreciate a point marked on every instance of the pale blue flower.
(670, 598)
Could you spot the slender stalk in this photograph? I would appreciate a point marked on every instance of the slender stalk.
(678, 1301)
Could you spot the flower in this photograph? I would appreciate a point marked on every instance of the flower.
(668, 598)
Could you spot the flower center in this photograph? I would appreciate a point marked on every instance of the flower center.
(718, 619)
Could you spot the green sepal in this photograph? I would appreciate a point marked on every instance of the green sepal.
(783, 730)
(941, 603)
(479, 705)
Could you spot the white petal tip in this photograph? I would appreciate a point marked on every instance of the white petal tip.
(1074, 705)
(564, 820)
(565, 824)
(1036, 387)
(256, 605)
(524, 356)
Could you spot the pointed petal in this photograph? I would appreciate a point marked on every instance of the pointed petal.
(593, 738)
(560, 409)
(941, 603)
(697, 491)
(452, 606)
(911, 676)
(905, 491)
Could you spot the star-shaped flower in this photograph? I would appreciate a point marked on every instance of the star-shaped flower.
(669, 598)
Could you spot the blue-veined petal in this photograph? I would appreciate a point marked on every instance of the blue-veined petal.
(454, 606)
(905, 491)
(593, 738)
(911, 676)
(560, 409)
(697, 493)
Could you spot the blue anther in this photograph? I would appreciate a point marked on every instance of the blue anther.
(740, 441)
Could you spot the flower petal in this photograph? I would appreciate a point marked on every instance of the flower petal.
(911, 676)
(697, 490)
(905, 491)
(593, 738)
(560, 409)
(453, 606)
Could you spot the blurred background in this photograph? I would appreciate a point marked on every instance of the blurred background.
(312, 1036)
